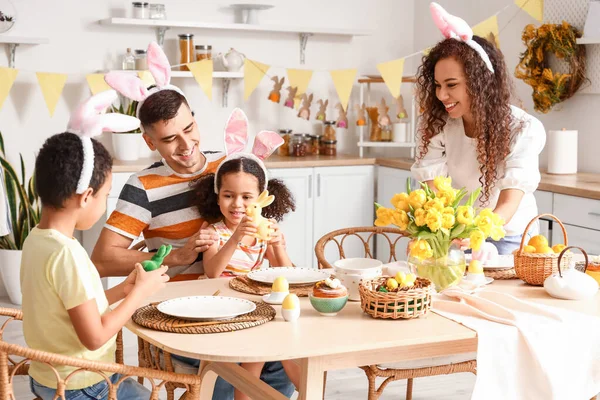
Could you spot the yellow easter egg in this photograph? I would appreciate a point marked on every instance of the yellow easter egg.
(400, 276)
(529, 249)
(280, 284)
(475, 267)
(291, 302)
(391, 283)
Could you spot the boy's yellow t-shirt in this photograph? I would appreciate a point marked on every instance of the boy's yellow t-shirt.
(57, 275)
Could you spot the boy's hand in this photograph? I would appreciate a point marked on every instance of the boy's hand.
(245, 228)
(149, 282)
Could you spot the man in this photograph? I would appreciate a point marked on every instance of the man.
(157, 202)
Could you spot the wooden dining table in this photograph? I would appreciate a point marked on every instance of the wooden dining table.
(320, 343)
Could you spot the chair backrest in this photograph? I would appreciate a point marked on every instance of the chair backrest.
(366, 236)
(10, 368)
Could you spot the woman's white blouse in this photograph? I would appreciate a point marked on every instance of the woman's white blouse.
(452, 153)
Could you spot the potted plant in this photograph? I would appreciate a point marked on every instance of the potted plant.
(24, 214)
(126, 145)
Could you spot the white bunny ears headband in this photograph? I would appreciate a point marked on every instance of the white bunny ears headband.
(236, 139)
(456, 28)
(133, 87)
(88, 121)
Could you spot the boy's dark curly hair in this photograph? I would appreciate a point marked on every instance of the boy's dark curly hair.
(58, 167)
(206, 198)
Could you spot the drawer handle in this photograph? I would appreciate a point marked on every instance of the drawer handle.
(594, 214)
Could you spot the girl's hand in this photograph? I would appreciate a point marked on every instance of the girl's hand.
(129, 282)
(149, 282)
(276, 237)
(245, 228)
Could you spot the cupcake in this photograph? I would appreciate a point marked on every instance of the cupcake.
(329, 289)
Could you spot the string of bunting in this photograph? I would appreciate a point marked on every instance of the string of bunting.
(52, 84)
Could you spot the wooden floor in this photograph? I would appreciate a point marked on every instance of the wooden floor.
(350, 384)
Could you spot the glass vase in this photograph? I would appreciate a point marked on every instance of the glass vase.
(444, 272)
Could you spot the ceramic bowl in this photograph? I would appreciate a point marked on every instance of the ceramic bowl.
(351, 271)
(328, 306)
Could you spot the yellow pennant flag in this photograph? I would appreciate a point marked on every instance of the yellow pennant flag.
(253, 74)
(52, 86)
(391, 72)
(147, 78)
(299, 78)
(7, 78)
(343, 79)
(535, 8)
(203, 73)
(96, 83)
(488, 29)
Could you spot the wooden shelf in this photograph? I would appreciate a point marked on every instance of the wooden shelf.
(588, 40)
(386, 144)
(13, 41)
(379, 79)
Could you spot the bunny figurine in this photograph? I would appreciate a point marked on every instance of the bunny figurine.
(254, 211)
(322, 107)
(342, 121)
(383, 119)
(400, 110)
(275, 94)
(361, 117)
(156, 261)
(304, 111)
(289, 102)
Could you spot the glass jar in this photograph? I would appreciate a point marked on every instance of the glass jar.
(140, 60)
(329, 147)
(329, 130)
(157, 11)
(386, 133)
(315, 144)
(307, 140)
(186, 50)
(297, 146)
(444, 271)
(284, 149)
(140, 10)
(203, 52)
(128, 60)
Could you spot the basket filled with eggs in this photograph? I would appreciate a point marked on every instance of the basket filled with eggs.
(536, 260)
(404, 296)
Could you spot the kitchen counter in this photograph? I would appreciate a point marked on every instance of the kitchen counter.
(581, 185)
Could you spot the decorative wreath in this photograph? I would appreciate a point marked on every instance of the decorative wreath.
(550, 88)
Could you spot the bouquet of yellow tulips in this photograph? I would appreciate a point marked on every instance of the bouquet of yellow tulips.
(437, 218)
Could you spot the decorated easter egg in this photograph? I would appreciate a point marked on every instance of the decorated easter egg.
(280, 284)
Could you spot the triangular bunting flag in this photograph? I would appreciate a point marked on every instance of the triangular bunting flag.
(535, 8)
(343, 79)
(203, 71)
(147, 78)
(52, 86)
(391, 72)
(253, 74)
(97, 83)
(7, 78)
(299, 78)
(488, 29)
(426, 51)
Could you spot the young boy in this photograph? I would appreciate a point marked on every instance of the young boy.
(65, 309)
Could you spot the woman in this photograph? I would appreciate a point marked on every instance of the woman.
(471, 133)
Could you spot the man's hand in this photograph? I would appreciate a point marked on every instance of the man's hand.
(198, 243)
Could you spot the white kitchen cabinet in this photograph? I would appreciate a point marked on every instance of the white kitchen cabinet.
(545, 205)
(588, 239)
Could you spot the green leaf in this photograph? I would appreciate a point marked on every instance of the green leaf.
(425, 235)
(377, 206)
(1, 144)
(408, 188)
(22, 168)
(474, 195)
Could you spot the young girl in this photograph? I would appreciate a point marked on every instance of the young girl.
(470, 132)
(65, 309)
(222, 200)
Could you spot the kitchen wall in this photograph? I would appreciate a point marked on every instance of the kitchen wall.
(579, 112)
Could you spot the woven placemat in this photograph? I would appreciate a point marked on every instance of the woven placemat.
(149, 317)
(246, 285)
(500, 273)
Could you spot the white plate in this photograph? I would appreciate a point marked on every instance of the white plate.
(294, 275)
(506, 261)
(267, 299)
(201, 308)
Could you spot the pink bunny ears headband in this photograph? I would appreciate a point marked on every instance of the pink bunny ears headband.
(133, 87)
(456, 28)
(236, 139)
(88, 121)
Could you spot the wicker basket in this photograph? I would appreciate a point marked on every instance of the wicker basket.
(534, 268)
(406, 304)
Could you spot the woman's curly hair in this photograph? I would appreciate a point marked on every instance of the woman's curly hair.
(207, 200)
(495, 127)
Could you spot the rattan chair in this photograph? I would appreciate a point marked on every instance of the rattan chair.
(9, 367)
(402, 370)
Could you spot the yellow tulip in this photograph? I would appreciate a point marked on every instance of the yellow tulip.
(498, 220)
(434, 204)
(400, 219)
(446, 196)
(485, 224)
(486, 212)
(421, 249)
(448, 221)
(384, 216)
(417, 198)
(477, 237)
(442, 183)
(448, 210)
(464, 215)
(434, 220)
(400, 201)
(420, 217)
(497, 232)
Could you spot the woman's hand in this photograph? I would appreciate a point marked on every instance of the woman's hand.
(245, 228)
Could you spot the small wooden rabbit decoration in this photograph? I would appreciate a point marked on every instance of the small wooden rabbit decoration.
(275, 94)
(400, 110)
(342, 120)
(322, 107)
(383, 119)
(361, 117)
(304, 111)
(289, 102)
(254, 211)
(156, 261)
